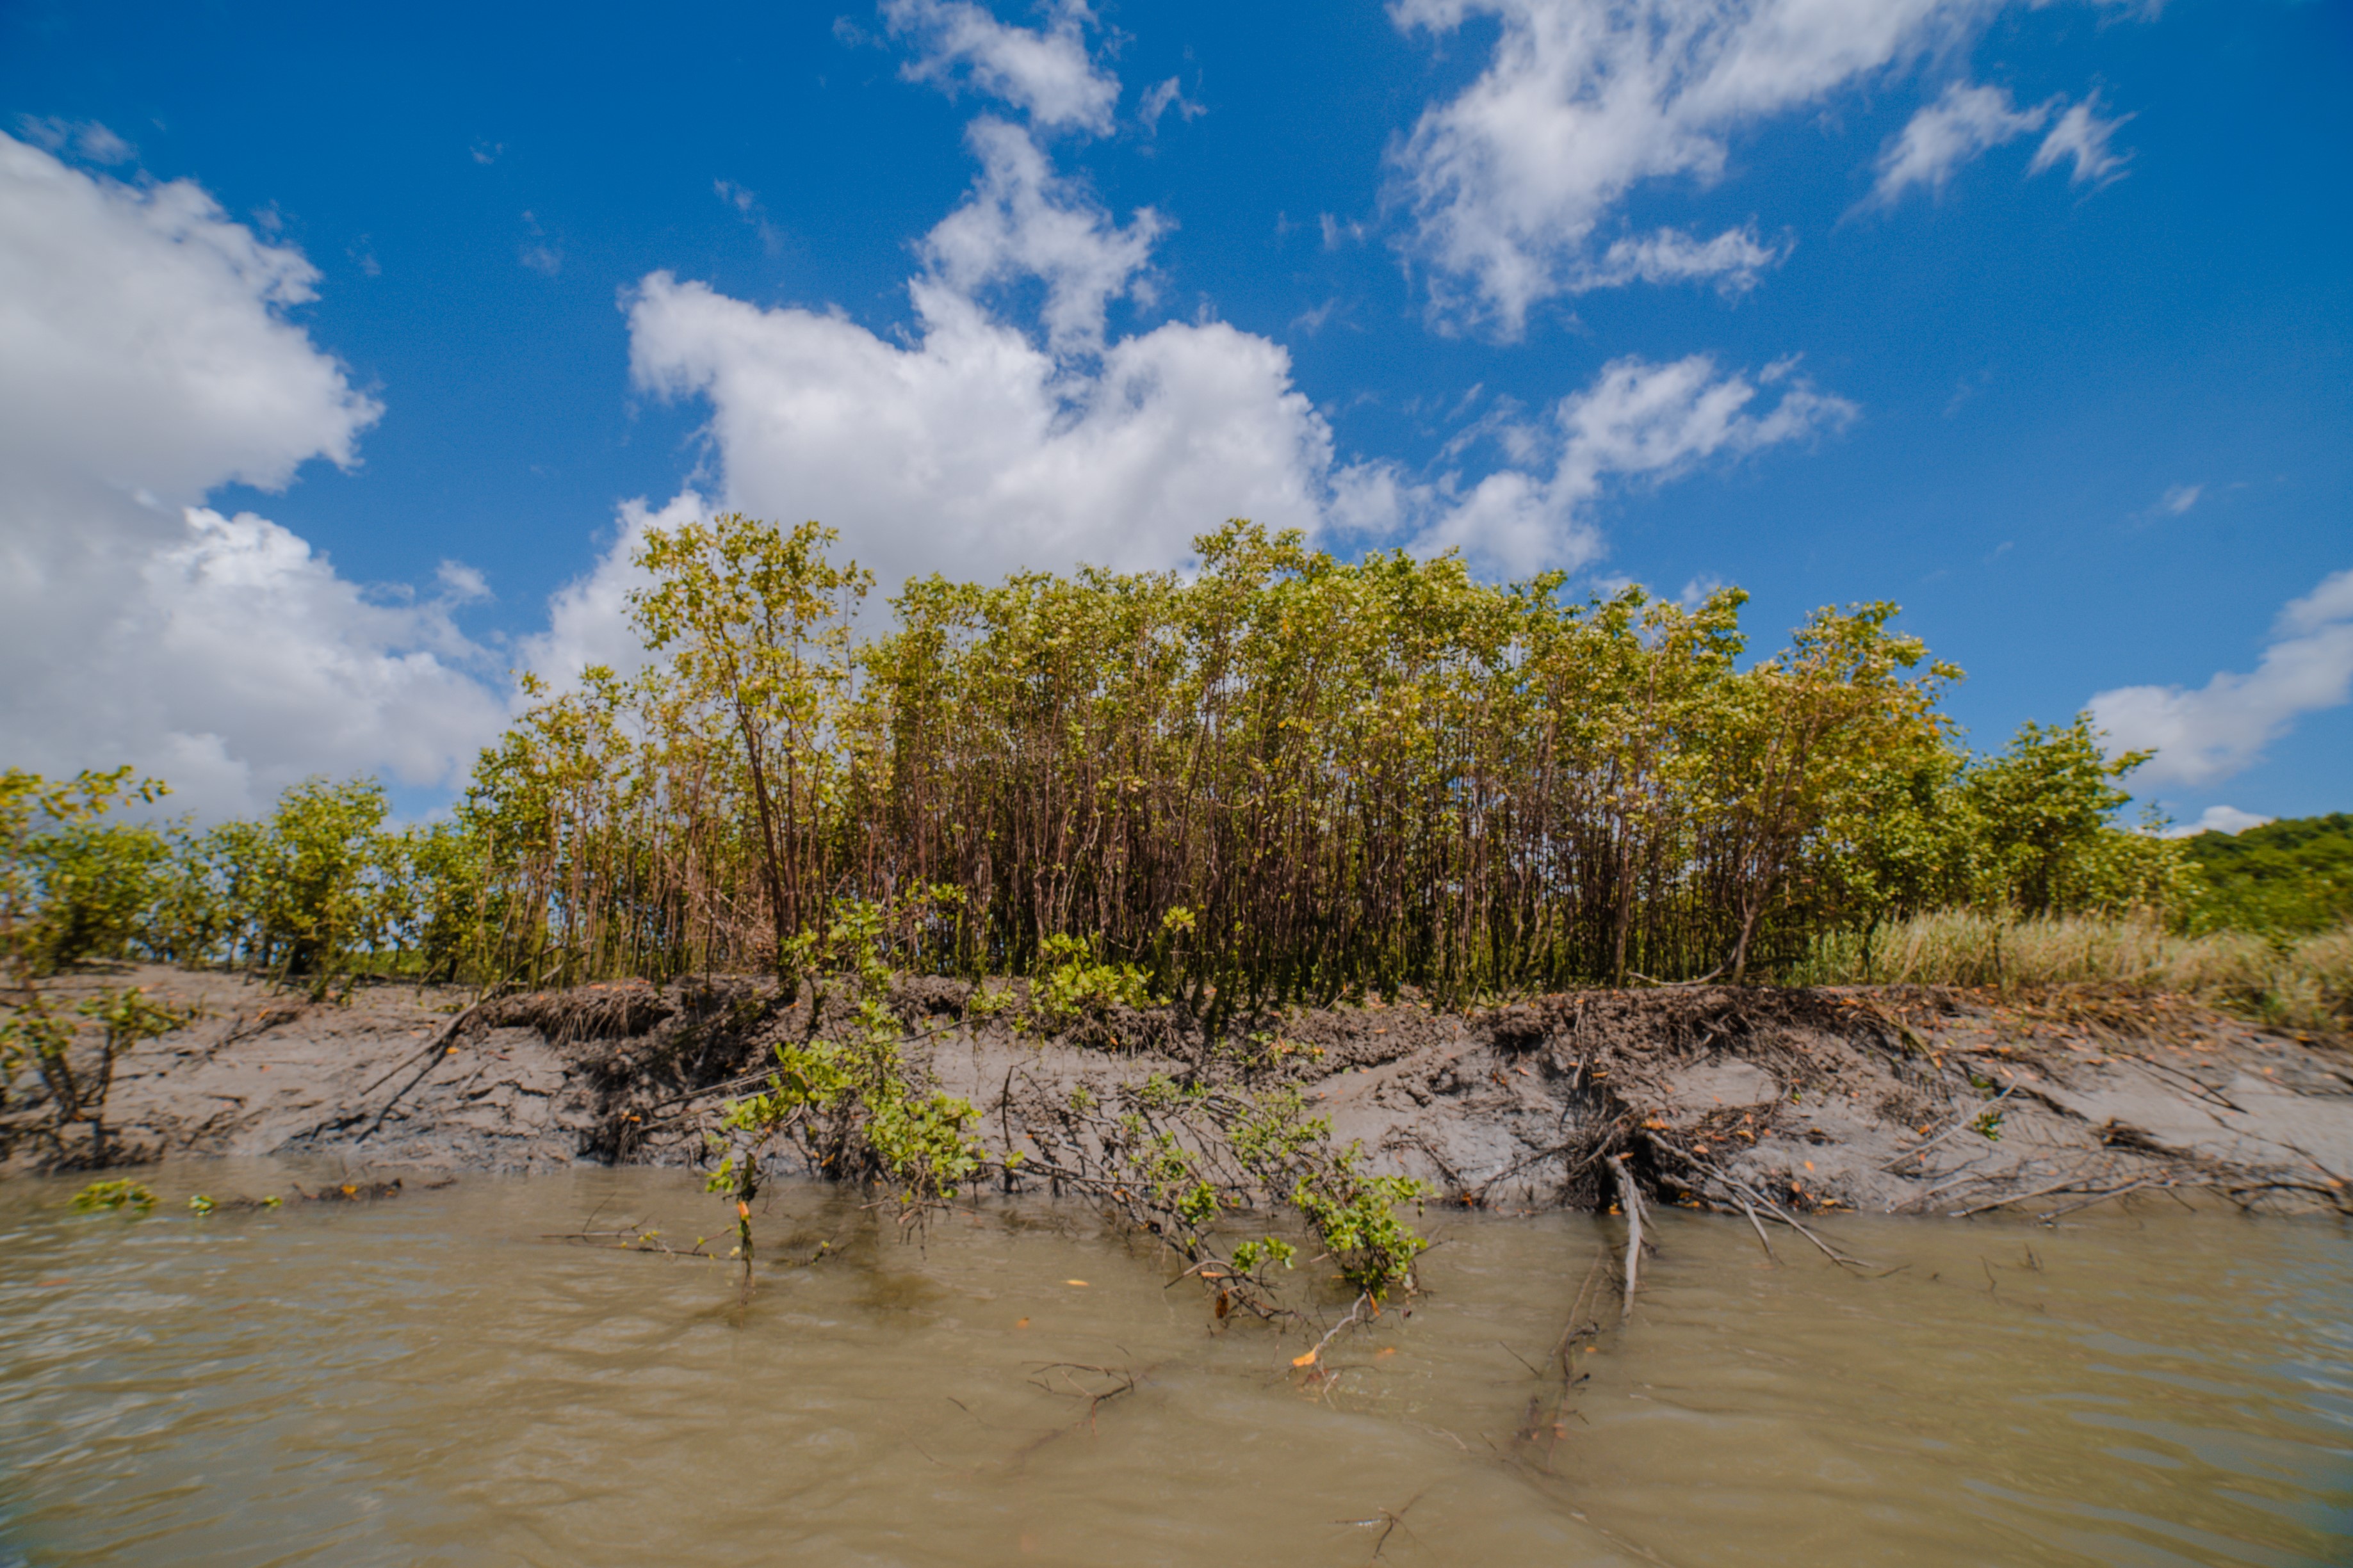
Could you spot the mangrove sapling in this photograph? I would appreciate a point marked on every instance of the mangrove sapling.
(847, 1100)
(78, 1091)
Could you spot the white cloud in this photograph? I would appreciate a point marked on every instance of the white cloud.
(1582, 102)
(2082, 135)
(1159, 98)
(1965, 122)
(146, 359)
(1024, 221)
(1512, 181)
(1637, 419)
(972, 447)
(2205, 735)
(2216, 819)
(1047, 72)
(973, 450)
(588, 618)
(83, 139)
(1734, 258)
(2180, 498)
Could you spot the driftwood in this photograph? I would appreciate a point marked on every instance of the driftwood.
(1630, 1197)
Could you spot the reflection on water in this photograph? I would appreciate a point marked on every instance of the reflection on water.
(428, 1380)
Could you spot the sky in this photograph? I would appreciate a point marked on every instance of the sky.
(346, 352)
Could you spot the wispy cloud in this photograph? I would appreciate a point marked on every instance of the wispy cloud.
(748, 207)
(2180, 498)
(2082, 135)
(541, 254)
(1162, 97)
(1957, 127)
(1512, 181)
(86, 140)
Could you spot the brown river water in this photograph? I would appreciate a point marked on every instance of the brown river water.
(432, 1380)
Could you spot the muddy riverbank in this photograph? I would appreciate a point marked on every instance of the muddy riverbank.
(1874, 1100)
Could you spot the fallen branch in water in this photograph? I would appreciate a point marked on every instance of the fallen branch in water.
(2143, 1182)
(1314, 1355)
(2065, 1184)
(1629, 1198)
(1758, 1225)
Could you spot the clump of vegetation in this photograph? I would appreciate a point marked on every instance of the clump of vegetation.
(1179, 1159)
(846, 1099)
(2294, 877)
(2303, 983)
(115, 1196)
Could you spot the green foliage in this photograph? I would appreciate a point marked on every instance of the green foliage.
(1071, 985)
(1284, 777)
(757, 623)
(2042, 814)
(1250, 1255)
(1353, 1215)
(846, 1098)
(115, 1196)
(2290, 877)
(73, 884)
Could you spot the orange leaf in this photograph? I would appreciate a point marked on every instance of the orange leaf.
(1079, 1283)
(742, 1209)
(1307, 1360)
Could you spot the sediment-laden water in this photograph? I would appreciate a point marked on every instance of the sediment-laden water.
(432, 1380)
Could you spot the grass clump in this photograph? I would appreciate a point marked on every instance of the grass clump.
(2288, 982)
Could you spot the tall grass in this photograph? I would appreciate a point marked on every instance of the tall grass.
(2293, 983)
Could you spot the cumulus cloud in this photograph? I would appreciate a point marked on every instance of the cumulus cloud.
(146, 357)
(974, 450)
(1023, 221)
(2207, 734)
(973, 446)
(588, 618)
(1046, 71)
(1965, 122)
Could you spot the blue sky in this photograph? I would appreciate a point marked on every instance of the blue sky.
(2031, 318)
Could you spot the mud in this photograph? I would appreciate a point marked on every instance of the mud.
(1883, 1100)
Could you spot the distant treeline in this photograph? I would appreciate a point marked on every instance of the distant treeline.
(2287, 877)
(1284, 776)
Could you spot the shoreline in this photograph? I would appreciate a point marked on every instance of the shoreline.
(1867, 1100)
